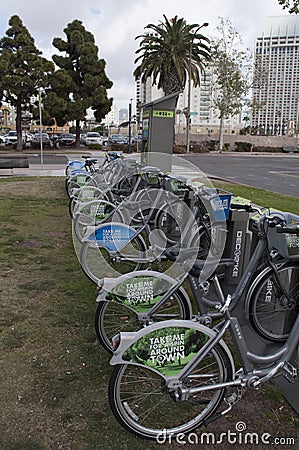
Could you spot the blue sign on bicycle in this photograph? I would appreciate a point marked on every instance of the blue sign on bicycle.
(221, 206)
(112, 236)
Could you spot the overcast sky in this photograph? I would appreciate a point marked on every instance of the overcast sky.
(116, 23)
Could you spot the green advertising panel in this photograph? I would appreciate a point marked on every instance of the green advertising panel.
(140, 292)
(167, 350)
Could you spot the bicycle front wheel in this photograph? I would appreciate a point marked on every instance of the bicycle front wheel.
(274, 303)
(113, 317)
(142, 404)
(98, 262)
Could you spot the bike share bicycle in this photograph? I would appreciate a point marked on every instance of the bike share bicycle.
(171, 377)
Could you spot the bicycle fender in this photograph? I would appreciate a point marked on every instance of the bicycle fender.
(165, 347)
(139, 290)
(113, 235)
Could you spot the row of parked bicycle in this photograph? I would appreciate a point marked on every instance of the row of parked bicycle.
(176, 267)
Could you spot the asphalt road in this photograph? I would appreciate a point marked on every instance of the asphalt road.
(273, 173)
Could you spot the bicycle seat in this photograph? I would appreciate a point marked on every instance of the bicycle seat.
(89, 162)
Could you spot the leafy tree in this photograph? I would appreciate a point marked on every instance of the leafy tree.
(80, 81)
(23, 70)
(164, 54)
(231, 68)
(291, 5)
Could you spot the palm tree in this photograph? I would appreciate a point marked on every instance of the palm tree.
(169, 51)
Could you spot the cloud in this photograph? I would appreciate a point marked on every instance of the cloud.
(116, 23)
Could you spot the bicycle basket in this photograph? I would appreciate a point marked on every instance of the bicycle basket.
(286, 244)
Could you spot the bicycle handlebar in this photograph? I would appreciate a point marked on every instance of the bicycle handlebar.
(287, 229)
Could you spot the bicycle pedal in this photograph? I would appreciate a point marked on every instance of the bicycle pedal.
(290, 372)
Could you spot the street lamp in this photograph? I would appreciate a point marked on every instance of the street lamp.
(130, 125)
(189, 88)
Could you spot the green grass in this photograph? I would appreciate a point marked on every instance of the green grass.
(54, 375)
(261, 197)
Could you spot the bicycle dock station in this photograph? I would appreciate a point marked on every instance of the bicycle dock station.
(158, 118)
(147, 318)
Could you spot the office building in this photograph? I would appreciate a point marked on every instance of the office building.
(277, 94)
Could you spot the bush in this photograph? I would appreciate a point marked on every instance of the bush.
(243, 146)
(213, 145)
(95, 146)
(179, 149)
(199, 148)
(261, 148)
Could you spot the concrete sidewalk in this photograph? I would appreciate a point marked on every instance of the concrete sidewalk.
(184, 169)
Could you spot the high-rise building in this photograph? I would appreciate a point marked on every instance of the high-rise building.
(204, 118)
(277, 95)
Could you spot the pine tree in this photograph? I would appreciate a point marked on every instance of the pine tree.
(23, 70)
(80, 82)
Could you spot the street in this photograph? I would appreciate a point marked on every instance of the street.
(277, 173)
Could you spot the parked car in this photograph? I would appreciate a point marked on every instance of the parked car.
(11, 139)
(67, 139)
(2, 140)
(35, 142)
(136, 139)
(117, 139)
(92, 137)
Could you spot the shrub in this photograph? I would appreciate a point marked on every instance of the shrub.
(179, 149)
(243, 146)
(213, 145)
(199, 148)
(265, 149)
(95, 146)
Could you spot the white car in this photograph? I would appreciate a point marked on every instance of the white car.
(11, 138)
(92, 137)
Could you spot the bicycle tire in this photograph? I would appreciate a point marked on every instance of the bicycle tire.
(270, 312)
(141, 404)
(97, 263)
(113, 317)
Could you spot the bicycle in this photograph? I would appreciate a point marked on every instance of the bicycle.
(128, 245)
(116, 312)
(172, 377)
(262, 290)
(85, 171)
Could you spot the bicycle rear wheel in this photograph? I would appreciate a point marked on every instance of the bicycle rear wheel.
(142, 404)
(273, 312)
(113, 317)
